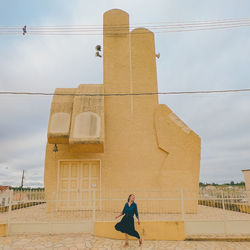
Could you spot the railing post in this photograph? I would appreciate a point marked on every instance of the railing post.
(9, 210)
(223, 201)
(52, 204)
(182, 203)
(94, 205)
(223, 206)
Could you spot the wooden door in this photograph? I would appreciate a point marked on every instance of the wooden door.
(76, 182)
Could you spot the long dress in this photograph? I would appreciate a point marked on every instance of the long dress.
(126, 225)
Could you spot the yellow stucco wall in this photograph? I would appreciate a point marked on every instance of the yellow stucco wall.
(3, 230)
(148, 230)
(146, 146)
(246, 174)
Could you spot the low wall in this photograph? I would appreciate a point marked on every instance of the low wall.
(149, 230)
(20, 205)
(236, 207)
(217, 227)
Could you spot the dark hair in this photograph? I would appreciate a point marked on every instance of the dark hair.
(129, 196)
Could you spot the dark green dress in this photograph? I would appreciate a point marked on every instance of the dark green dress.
(126, 225)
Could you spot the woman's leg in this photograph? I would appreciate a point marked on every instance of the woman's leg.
(134, 232)
(126, 240)
(140, 241)
(137, 235)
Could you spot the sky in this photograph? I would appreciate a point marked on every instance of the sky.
(189, 61)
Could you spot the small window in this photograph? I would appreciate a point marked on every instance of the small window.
(60, 123)
(87, 124)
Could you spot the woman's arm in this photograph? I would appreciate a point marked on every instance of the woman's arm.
(118, 216)
(136, 214)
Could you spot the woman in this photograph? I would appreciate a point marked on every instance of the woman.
(126, 225)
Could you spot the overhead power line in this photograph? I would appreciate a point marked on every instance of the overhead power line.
(126, 94)
(125, 26)
(123, 29)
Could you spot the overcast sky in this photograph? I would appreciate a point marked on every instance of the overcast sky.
(203, 60)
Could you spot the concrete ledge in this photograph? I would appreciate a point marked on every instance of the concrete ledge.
(3, 230)
(149, 230)
(229, 239)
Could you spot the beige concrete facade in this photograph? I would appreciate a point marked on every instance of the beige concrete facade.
(126, 142)
(246, 174)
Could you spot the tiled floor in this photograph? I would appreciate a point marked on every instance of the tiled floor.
(87, 241)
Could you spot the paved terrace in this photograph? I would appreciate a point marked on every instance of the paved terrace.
(87, 241)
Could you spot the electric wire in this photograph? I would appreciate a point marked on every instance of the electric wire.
(126, 94)
(121, 33)
(126, 26)
(107, 30)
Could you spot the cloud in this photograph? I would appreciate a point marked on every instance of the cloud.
(26, 152)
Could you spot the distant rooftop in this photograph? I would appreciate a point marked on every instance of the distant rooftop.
(4, 188)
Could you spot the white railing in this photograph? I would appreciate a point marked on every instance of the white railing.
(154, 205)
